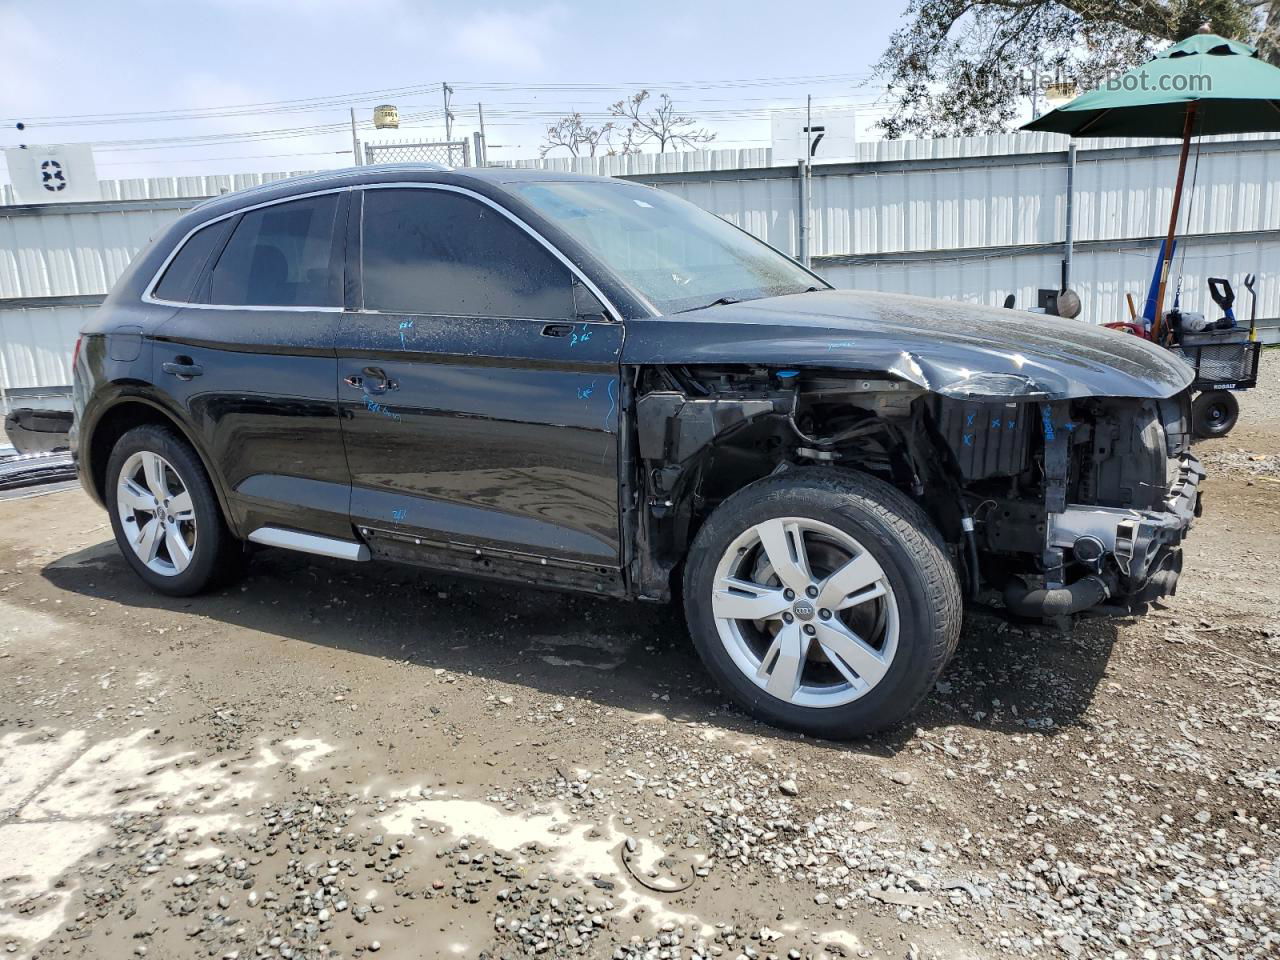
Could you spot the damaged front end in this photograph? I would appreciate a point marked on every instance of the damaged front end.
(1052, 507)
(1093, 516)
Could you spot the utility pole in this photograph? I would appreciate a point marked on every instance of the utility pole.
(483, 159)
(447, 91)
(355, 142)
(806, 185)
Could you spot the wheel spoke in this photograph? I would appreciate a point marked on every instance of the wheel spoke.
(148, 540)
(153, 469)
(736, 599)
(784, 545)
(135, 497)
(845, 587)
(180, 506)
(179, 552)
(783, 664)
(850, 654)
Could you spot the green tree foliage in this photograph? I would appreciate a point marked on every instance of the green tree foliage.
(966, 67)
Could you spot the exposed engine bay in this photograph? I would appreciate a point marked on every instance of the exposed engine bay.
(1051, 507)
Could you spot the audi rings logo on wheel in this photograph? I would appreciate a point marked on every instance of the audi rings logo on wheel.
(803, 610)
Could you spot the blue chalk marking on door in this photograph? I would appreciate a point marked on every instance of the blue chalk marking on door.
(404, 326)
(374, 407)
(613, 404)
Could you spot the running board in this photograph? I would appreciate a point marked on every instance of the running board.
(310, 543)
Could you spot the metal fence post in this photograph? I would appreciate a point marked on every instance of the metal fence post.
(1069, 245)
(802, 171)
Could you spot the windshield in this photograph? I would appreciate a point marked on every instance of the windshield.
(677, 255)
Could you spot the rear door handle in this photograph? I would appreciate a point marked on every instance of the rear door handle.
(182, 368)
(557, 329)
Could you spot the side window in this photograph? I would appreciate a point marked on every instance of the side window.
(184, 270)
(437, 252)
(281, 256)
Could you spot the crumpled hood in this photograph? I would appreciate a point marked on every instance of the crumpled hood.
(952, 348)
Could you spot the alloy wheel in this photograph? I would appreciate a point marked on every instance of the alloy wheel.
(156, 513)
(805, 612)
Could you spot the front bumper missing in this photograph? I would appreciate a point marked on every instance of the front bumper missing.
(1137, 539)
(1145, 546)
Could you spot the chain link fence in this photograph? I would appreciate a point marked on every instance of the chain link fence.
(452, 153)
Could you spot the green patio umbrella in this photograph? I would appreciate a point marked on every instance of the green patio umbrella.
(1203, 85)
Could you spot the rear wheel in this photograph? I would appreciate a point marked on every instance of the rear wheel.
(822, 600)
(165, 515)
(1214, 413)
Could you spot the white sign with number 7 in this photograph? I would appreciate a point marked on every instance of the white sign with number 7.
(826, 134)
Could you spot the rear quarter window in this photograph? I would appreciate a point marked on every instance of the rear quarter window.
(178, 283)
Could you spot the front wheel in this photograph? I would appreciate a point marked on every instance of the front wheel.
(1214, 413)
(823, 600)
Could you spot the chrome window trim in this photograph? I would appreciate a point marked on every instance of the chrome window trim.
(149, 294)
(615, 314)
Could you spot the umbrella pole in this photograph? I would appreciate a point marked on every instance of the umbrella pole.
(1187, 127)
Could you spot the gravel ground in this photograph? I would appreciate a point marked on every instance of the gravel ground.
(327, 761)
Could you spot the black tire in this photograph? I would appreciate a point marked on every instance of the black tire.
(1214, 413)
(899, 536)
(217, 557)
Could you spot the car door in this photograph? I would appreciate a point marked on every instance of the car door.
(249, 357)
(479, 391)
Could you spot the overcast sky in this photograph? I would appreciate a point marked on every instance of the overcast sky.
(87, 59)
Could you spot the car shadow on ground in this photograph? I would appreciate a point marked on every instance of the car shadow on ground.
(1004, 678)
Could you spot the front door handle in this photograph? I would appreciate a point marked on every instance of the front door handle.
(557, 329)
(182, 368)
(372, 380)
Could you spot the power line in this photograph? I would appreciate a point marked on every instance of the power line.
(245, 156)
(347, 99)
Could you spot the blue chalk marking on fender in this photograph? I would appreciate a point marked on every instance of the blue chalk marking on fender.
(405, 325)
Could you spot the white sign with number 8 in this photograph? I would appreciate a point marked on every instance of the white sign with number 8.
(53, 173)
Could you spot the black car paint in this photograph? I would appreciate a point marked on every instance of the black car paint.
(954, 349)
(500, 435)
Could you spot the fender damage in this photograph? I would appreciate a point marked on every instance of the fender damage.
(1053, 456)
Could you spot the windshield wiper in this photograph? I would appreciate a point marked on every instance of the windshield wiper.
(719, 301)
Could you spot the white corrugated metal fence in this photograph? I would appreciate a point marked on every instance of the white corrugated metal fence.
(973, 219)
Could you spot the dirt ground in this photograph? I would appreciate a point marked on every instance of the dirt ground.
(328, 760)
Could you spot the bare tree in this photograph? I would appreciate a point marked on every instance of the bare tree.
(658, 123)
(577, 136)
(964, 67)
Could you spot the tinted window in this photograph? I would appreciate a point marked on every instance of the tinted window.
(432, 251)
(180, 277)
(280, 256)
